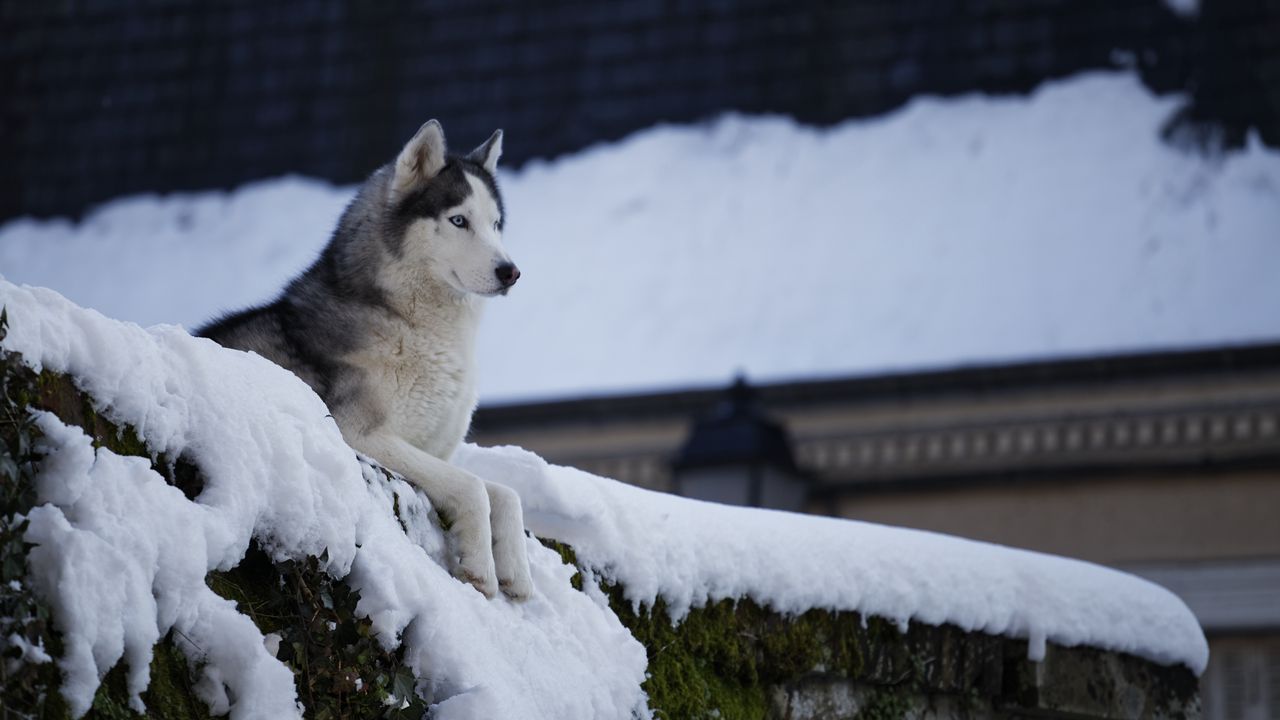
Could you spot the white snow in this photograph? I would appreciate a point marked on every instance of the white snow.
(35, 654)
(952, 231)
(121, 556)
(276, 469)
(690, 553)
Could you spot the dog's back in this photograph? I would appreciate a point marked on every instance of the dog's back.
(263, 331)
(324, 313)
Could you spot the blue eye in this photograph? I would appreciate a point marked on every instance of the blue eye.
(458, 221)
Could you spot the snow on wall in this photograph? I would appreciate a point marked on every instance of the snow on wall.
(691, 553)
(957, 230)
(276, 469)
(113, 530)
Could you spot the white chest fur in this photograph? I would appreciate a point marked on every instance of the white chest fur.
(420, 378)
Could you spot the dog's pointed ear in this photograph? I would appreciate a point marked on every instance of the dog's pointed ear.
(421, 159)
(488, 153)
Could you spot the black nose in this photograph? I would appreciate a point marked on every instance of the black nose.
(507, 274)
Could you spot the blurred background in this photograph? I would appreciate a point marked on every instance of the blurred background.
(1005, 270)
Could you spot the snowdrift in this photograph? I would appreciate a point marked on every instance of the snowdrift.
(130, 558)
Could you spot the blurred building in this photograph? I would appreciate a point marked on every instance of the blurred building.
(1166, 465)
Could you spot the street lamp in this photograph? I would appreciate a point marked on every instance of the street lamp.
(736, 455)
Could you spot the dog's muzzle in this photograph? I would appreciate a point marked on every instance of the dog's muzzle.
(507, 274)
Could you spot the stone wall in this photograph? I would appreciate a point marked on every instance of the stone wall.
(737, 660)
(727, 660)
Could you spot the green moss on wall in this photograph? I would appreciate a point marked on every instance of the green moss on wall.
(886, 703)
(720, 659)
(168, 696)
(568, 557)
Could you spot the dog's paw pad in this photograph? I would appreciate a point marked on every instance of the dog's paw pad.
(517, 591)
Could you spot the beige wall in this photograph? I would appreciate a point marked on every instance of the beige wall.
(638, 453)
(1109, 520)
(831, 439)
(1200, 514)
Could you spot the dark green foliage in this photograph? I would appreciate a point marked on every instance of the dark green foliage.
(168, 696)
(28, 689)
(341, 672)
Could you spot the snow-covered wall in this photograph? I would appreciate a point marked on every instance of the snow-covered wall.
(276, 475)
(276, 472)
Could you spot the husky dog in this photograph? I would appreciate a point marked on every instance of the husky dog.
(382, 326)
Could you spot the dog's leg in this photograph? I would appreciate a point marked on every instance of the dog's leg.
(510, 558)
(458, 495)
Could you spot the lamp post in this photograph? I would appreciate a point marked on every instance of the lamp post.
(736, 455)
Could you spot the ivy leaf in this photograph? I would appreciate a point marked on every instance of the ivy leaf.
(13, 567)
(404, 684)
(8, 467)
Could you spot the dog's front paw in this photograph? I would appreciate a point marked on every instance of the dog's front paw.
(518, 588)
(510, 554)
(512, 565)
(486, 583)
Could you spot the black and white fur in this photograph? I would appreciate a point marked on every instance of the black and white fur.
(382, 326)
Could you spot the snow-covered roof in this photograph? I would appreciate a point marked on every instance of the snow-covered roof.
(276, 469)
(954, 231)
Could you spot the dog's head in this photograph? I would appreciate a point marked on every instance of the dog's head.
(449, 213)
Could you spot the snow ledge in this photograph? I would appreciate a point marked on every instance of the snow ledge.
(276, 473)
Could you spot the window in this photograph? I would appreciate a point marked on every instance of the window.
(1243, 680)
